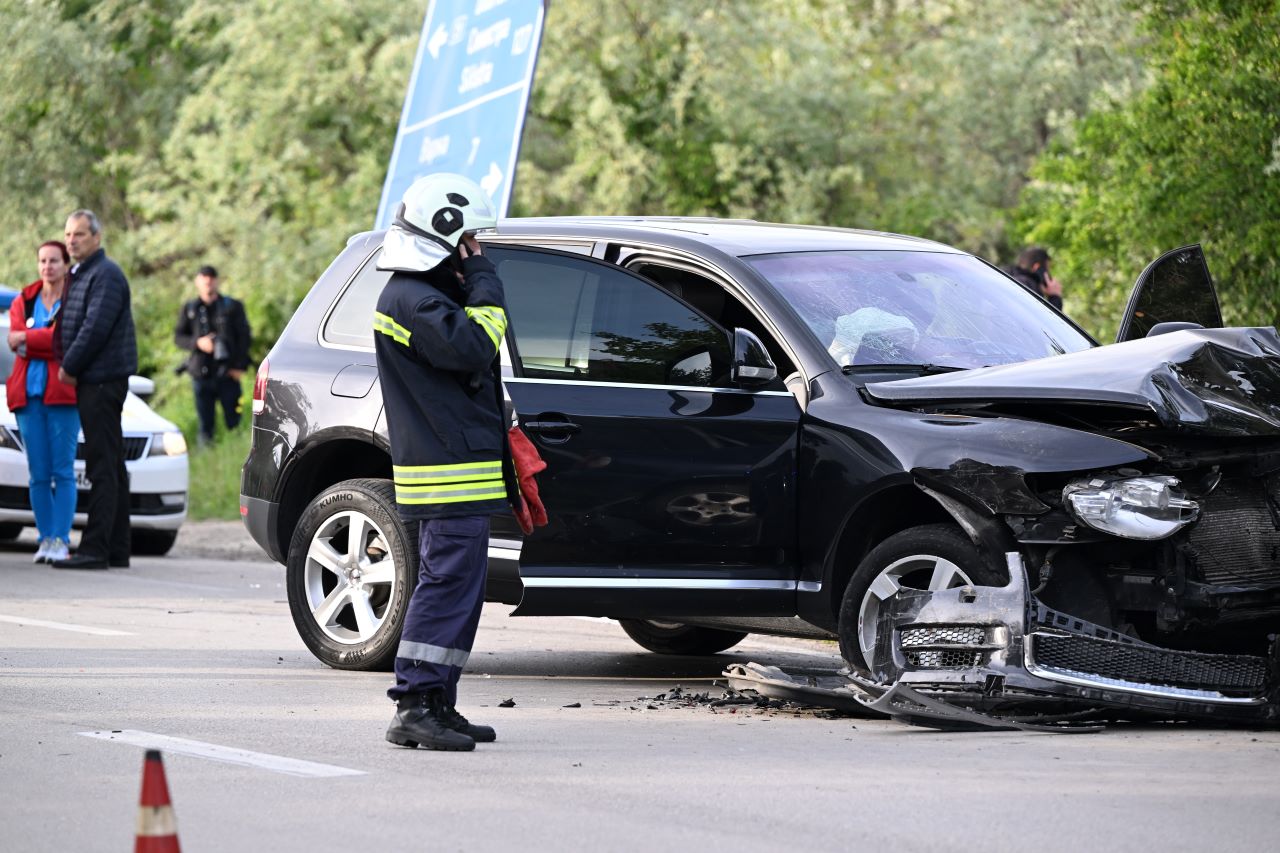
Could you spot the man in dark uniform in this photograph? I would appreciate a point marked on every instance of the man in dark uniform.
(1032, 272)
(214, 328)
(439, 324)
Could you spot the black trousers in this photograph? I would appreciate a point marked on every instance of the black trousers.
(106, 534)
(209, 392)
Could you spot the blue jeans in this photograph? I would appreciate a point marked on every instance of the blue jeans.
(49, 434)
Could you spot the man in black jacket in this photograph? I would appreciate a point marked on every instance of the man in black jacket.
(99, 353)
(1032, 272)
(215, 330)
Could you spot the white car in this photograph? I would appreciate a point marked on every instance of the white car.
(155, 456)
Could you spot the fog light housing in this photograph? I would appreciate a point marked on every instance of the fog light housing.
(1151, 507)
(173, 499)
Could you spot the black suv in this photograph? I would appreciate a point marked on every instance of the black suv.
(768, 428)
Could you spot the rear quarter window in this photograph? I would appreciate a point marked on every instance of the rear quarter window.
(350, 321)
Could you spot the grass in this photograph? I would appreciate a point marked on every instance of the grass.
(215, 476)
(214, 491)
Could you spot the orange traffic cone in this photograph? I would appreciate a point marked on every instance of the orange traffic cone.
(157, 828)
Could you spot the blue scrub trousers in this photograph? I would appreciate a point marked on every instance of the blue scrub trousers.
(440, 625)
(49, 435)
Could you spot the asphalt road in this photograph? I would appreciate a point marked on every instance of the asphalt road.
(278, 752)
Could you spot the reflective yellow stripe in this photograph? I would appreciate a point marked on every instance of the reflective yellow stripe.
(438, 495)
(455, 468)
(492, 319)
(389, 327)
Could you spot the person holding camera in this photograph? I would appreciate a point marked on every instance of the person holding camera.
(216, 331)
(1032, 272)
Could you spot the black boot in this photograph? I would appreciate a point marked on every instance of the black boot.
(480, 734)
(420, 721)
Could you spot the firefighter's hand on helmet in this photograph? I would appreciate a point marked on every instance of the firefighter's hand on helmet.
(468, 246)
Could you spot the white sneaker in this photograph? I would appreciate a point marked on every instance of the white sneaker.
(42, 553)
(59, 549)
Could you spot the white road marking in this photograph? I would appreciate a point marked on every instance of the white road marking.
(225, 754)
(63, 626)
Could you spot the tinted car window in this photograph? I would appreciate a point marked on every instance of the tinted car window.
(350, 323)
(933, 308)
(581, 319)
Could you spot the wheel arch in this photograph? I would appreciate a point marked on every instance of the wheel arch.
(891, 510)
(319, 466)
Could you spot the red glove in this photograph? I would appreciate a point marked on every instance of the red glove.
(527, 506)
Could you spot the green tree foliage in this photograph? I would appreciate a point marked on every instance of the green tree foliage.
(250, 134)
(1194, 158)
(919, 117)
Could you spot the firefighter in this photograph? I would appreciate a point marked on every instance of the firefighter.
(439, 323)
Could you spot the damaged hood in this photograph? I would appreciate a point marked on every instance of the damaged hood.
(1223, 382)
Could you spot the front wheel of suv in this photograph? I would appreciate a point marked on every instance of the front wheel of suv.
(673, 638)
(351, 568)
(931, 556)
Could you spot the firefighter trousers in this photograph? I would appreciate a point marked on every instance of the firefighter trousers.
(440, 625)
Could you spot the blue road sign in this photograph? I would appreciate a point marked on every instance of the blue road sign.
(467, 97)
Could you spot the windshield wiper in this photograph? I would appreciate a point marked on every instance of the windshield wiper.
(922, 369)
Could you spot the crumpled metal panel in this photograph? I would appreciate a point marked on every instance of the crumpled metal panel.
(1221, 382)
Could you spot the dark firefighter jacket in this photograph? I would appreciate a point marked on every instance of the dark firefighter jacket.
(437, 349)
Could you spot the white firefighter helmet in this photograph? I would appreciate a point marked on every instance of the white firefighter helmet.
(433, 215)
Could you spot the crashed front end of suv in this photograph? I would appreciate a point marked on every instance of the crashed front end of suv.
(1144, 589)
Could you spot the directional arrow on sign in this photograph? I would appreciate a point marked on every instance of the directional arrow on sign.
(438, 39)
(489, 183)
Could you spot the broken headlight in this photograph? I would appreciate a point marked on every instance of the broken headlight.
(1133, 507)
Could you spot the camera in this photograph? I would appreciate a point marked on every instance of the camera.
(220, 351)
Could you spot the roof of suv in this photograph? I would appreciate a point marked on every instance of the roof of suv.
(739, 237)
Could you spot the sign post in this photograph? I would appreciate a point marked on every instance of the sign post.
(467, 98)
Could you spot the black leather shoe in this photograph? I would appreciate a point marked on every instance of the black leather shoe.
(119, 564)
(419, 721)
(459, 723)
(80, 561)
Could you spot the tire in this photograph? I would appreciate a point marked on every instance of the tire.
(152, 543)
(10, 530)
(348, 595)
(672, 638)
(932, 556)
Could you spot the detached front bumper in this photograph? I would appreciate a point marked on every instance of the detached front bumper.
(999, 650)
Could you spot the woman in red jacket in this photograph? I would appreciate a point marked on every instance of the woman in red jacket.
(48, 421)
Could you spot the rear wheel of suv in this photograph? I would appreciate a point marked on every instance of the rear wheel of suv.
(351, 568)
(931, 556)
(673, 638)
(9, 530)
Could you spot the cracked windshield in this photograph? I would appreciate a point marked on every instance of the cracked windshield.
(916, 308)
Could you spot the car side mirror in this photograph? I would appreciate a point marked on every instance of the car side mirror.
(1171, 326)
(752, 366)
(141, 386)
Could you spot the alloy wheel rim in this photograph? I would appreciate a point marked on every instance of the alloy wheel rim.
(919, 571)
(349, 577)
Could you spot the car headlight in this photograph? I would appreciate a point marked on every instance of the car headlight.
(1133, 507)
(171, 443)
(9, 440)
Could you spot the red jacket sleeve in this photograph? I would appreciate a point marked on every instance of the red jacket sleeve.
(40, 343)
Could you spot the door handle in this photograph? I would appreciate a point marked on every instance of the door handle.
(557, 428)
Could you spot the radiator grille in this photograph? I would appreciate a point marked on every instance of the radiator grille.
(965, 635)
(134, 445)
(944, 659)
(1149, 665)
(1236, 539)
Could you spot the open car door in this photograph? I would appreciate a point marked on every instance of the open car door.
(1174, 288)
